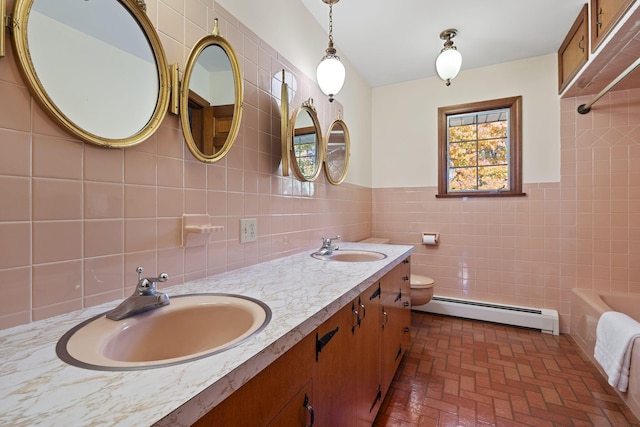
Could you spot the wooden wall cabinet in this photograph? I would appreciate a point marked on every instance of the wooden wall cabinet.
(574, 51)
(338, 375)
(605, 14)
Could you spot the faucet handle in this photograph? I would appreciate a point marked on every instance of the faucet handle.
(148, 284)
(328, 240)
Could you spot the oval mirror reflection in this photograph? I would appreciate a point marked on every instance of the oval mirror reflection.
(105, 83)
(211, 99)
(338, 146)
(305, 143)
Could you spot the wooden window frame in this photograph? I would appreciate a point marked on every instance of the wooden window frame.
(514, 104)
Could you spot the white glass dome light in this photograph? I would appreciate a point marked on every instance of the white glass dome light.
(330, 73)
(449, 61)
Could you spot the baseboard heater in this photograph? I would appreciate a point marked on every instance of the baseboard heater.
(536, 318)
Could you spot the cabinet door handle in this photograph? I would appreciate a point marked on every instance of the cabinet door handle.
(321, 342)
(580, 44)
(364, 311)
(405, 278)
(309, 409)
(598, 21)
(357, 321)
(386, 317)
(406, 304)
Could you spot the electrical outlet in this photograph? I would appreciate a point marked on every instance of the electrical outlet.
(248, 230)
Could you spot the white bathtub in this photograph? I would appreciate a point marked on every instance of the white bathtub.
(586, 307)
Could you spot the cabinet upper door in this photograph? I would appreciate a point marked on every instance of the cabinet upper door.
(574, 51)
(605, 14)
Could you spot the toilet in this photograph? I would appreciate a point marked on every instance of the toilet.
(421, 289)
(421, 286)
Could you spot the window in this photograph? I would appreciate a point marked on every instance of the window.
(304, 148)
(479, 147)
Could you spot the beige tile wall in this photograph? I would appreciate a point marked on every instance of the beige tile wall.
(581, 232)
(76, 219)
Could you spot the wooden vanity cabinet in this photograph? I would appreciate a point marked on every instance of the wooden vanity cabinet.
(574, 50)
(347, 382)
(605, 14)
(395, 320)
(281, 395)
(340, 373)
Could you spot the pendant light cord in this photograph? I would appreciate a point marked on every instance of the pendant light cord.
(331, 23)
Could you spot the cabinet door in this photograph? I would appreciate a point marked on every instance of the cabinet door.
(605, 14)
(264, 396)
(368, 348)
(336, 380)
(299, 412)
(395, 319)
(574, 51)
(405, 288)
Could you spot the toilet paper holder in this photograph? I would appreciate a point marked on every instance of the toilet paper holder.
(430, 238)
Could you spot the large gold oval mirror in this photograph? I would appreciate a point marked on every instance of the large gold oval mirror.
(96, 67)
(338, 151)
(211, 98)
(306, 142)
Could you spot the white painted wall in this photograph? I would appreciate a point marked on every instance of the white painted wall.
(290, 29)
(394, 128)
(405, 128)
(95, 94)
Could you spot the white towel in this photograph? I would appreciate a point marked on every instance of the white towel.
(615, 334)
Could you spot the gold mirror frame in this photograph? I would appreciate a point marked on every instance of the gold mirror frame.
(18, 24)
(327, 153)
(3, 24)
(308, 108)
(213, 39)
(284, 125)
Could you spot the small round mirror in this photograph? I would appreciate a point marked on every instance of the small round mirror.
(211, 98)
(338, 146)
(306, 138)
(107, 84)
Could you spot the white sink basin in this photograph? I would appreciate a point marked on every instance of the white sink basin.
(351, 255)
(190, 327)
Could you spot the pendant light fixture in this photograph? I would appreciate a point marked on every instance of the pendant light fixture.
(330, 72)
(449, 61)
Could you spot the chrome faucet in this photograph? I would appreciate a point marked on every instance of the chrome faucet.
(144, 298)
(327, 246)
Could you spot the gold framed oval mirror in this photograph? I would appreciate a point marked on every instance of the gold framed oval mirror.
(306, 142)
(97, 68)
(337, 152)
(211, 98)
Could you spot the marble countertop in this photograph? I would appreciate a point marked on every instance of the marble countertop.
(37, 388)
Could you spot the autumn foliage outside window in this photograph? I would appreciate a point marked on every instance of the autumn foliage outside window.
(480, 149)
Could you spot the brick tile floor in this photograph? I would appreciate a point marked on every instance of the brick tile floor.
(467, 373)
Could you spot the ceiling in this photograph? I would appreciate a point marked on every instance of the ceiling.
(398, 40)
